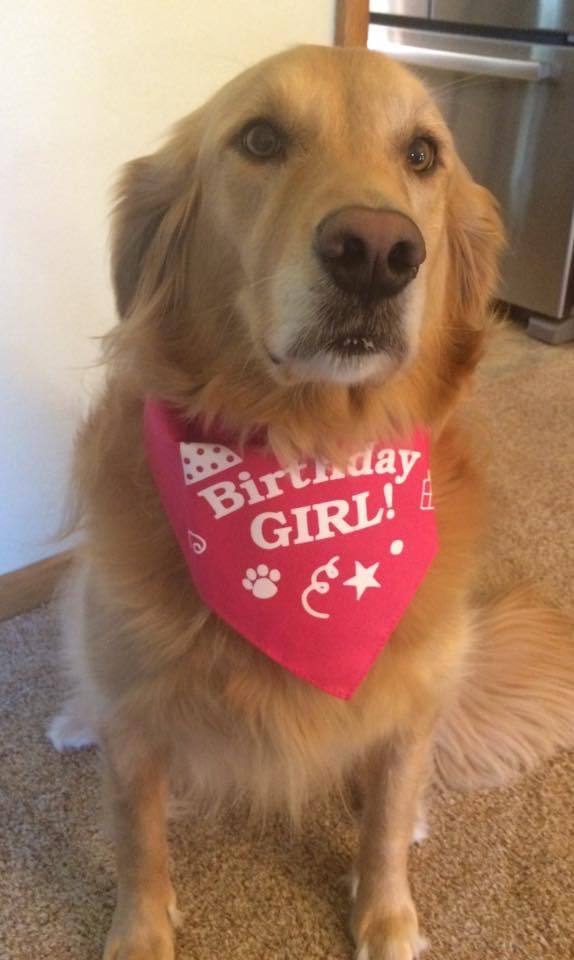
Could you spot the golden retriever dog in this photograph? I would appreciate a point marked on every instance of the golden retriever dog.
(306, 262)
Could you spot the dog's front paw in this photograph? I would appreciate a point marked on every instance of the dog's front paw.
(70, 729)
(143, 933)
(389, 936)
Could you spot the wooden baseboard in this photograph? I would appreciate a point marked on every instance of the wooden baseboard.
(30, 586)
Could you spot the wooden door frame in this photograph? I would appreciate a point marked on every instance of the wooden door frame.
(352, 23)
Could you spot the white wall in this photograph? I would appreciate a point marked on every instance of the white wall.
(86, 86)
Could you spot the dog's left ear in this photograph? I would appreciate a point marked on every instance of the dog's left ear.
(475, 236)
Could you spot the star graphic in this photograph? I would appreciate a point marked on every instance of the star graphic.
(363, 579)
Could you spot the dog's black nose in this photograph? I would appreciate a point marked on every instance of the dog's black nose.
(374, 253)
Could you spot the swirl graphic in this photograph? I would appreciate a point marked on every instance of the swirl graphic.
(320, 586)
(197, 543)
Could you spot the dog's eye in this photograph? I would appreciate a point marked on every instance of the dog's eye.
(262, 140)
(421, 155)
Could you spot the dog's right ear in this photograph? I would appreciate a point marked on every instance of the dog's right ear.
(155, 197)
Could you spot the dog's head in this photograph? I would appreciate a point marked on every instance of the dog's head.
(308, 239)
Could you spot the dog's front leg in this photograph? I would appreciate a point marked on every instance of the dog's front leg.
(136, 793)
(384, 917)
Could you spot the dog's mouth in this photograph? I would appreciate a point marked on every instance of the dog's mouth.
(360, 337)
(360, 344)
(348, 358)
(355, 345)
(345, 340)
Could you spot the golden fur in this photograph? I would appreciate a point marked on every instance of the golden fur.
(205, 245)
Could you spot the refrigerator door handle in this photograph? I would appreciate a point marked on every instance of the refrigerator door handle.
(503, 68)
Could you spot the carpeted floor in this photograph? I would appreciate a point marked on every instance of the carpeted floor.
(494, 881)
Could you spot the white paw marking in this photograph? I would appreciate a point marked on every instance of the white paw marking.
(262, 581)
(68, 732)
(418, 947)
(175, 915)
(421, 831)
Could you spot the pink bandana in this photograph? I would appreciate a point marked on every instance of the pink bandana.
(313, 565)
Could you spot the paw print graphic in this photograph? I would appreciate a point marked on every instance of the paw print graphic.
(261, 582)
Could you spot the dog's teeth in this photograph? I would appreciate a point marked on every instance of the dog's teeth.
(354, 342)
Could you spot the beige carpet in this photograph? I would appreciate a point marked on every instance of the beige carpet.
(494, 881)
